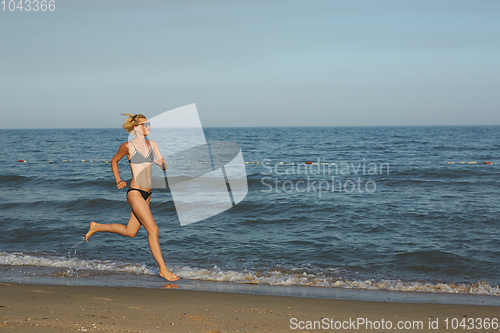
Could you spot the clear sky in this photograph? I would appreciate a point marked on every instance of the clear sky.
(253, 63)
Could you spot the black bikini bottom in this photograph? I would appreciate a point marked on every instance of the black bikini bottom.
(145, 194)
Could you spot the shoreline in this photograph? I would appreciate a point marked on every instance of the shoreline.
(56, 276)
(57, 308)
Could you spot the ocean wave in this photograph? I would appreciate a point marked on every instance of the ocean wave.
(277, 278)
(273, 277)
(20, 259)
(66, 205)
(10, 180)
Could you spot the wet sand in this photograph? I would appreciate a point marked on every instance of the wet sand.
(50, 308)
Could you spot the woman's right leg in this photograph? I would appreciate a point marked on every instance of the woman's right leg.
(142, 211)
(129, 230)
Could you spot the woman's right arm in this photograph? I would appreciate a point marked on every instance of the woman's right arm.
(114, 164)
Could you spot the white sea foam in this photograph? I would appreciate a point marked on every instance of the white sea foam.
(271, 277)
(20, 259)
(277, 278)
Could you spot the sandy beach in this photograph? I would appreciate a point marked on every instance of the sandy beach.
(52, 308)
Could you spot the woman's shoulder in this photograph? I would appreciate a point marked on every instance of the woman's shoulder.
(125, 146)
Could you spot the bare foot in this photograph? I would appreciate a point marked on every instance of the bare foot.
(168, 275)
(92, 230)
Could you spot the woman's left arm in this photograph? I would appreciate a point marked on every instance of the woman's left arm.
(159, 159)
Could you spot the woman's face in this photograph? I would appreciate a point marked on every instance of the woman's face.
(142, 128)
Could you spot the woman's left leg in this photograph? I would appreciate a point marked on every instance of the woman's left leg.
(129, 230)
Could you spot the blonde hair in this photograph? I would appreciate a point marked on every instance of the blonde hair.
(131, 121)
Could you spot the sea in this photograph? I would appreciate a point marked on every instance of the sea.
(374, 213)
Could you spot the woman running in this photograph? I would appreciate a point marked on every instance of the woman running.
(141, 154)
